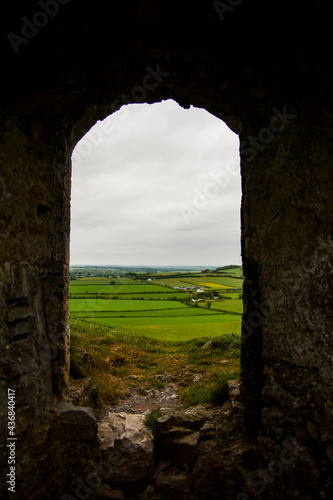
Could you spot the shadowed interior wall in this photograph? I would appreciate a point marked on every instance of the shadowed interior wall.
(263, 70)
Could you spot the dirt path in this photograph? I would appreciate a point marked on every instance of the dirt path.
(142, 400)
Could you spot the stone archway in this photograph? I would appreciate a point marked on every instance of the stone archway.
(263, 70)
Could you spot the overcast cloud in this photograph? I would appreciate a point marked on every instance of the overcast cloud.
(156, 185)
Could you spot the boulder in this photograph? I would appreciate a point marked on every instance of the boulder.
(181, 446)
(177, 435)
(128, 444)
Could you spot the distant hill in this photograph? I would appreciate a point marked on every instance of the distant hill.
(226, 268)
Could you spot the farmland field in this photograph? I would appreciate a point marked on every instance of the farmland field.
(215, 282)
(169, 295)
(235, 306)
(177, 312)
(237, 272)
(90, 281)
(155, 309)
(116, 289)
(124, 281)
(122, 305)
(171, 282)
(182, 328)
(213, 285)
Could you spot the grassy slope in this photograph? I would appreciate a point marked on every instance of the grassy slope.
(114, 356)
(181, 328)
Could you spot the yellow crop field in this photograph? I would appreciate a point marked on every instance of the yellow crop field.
(212, 285)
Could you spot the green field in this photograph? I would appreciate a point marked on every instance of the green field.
(232, 295)
(232, 272)
(117, 289)
(151, 309)
(235, 306)
(215, 282)
(170, 295)
(180, 328)
(177, 312)
(124, 281)
(90, 281)
(206, 281)
(122, 305)
(171, 282)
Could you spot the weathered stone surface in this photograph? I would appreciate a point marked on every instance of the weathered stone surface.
(106, 493)
(181, 445)
(264, 68)
(76, 424)
(193, 418)
(79, 358)
(169, 481)
(129, 445)
(178, 433)
(81, 392)
(22, 358)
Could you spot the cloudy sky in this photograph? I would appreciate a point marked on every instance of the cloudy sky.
(156, 185)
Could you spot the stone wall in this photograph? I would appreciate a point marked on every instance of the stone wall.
(246, 65)
(289, 238)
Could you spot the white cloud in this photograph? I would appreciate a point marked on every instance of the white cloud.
(129, 185)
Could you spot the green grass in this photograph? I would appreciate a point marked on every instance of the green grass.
(176, 328)
(176, 312)
(115, 355)
(124, 281)
(234, 305)
(168, 295)
(212, 282)
(171, 282)
(233, 295)
(122, 305)
(90, 281)
(115, 289)
(215, 392)
(152, 418)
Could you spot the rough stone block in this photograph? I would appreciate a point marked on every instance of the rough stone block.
(76, 424)
(128, 444)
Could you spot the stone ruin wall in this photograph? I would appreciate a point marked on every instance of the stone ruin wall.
(286, 207)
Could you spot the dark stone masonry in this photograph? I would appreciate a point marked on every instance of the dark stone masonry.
(262, 67)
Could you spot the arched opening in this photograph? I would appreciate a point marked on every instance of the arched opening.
(216, 59)
(166, 170)
(150, 186)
